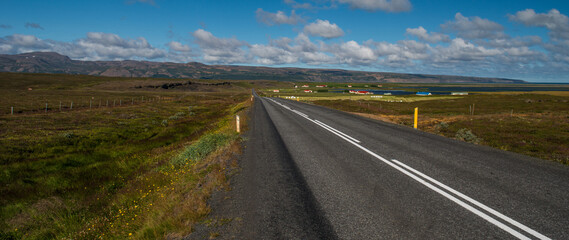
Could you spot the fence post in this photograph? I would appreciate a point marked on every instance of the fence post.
(238, 124)
(46, 107)
(71, 108)
(90, 103)
(416, 116)
(120, 102)
(12, 111)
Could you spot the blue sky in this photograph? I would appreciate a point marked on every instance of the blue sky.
(520, 39)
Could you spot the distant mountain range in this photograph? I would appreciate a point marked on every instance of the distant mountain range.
(50, 62)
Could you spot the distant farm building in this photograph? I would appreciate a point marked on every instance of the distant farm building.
(380, 85)
(349, 85)
(321, 85)
(387, 94)
(276, 90)
(424, 94)
(305, 86)
(363, 92)
(459, 93)
(308, 91)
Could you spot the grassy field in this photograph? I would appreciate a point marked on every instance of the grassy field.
(531, 123)
(143, 169)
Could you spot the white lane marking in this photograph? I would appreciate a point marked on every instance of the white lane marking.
(321, 124)
(436, 189)
(478, 204)
(338, 131)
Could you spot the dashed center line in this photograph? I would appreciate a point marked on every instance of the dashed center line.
(430, 183)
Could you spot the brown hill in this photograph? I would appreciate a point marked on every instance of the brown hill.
(50, 62)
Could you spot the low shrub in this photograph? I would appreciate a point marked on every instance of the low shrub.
(442, 126)
(177, 116)
(466, 135)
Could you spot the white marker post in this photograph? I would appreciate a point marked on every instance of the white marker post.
(237, 123)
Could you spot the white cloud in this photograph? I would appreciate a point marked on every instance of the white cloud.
(288, 51)
(463, 51)
(271, 55)
(111, 46)
(96, 46)
(509, 42)
(179, 47)
(383, 5)
(295, 4)
(324, 28)
(422, 34)
(19, 43)
(180, 52)
(554, 21)
(474, 28)
(277, 18)
(353, 53)
(220, 50)
(401, 54)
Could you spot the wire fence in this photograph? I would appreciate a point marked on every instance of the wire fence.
(51, 106)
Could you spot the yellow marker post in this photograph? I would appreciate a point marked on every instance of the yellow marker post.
(416, 117)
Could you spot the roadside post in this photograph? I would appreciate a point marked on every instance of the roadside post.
(416, 116)
(237, 123)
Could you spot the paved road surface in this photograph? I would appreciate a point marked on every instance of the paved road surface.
(310, 172)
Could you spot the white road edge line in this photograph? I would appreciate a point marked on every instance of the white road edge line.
(436, 189)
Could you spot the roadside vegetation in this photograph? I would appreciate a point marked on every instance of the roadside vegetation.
(531, 123)
(141, 171)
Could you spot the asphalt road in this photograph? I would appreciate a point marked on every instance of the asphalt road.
(310, 172)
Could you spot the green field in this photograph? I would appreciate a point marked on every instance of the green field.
(142, 167)
(532, 123)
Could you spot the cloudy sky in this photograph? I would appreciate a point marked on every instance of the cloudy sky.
(518, 39)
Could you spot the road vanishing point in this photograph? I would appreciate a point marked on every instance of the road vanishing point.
(310, 172)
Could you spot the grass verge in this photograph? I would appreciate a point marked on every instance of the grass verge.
(140, 171)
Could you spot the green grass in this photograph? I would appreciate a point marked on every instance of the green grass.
(92, 172)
